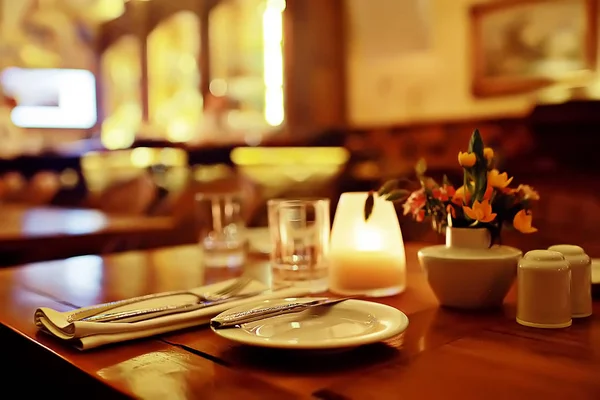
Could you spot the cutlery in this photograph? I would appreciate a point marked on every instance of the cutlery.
(231, 289)
(243, 317)
(150, 313)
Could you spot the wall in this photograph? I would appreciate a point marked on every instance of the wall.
(11, 12)
(393, 80)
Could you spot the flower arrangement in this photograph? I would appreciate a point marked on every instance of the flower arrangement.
(485, 200)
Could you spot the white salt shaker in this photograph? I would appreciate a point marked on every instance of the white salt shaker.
(544, 290)
(581, 279)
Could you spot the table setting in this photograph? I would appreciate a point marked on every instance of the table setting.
(326, 279)
(83, 329)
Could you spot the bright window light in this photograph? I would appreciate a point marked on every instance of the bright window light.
(51, 98)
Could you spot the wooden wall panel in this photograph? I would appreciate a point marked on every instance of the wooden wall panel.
(314, 55)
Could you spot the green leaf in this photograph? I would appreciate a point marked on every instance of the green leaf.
(476, 145)
(479, 170)
(369, 203)
(421, 167)
(398, 194)
(387, 187)
(480, 184)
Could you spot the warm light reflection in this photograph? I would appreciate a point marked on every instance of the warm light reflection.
(84, 274)
(593, 90)
(70, 222)
(140, 157)
(51, 98)
(279, 169)
(246, 62)
(101, 169)
(273, 61)
(367, 239)
(121, 76)
(158, 375)
(289, 155)
(175, 101)
(96, 11)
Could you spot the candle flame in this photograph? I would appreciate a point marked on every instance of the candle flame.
(368, 239)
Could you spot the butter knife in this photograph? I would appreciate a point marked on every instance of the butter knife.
(243, 317)
(150, 313)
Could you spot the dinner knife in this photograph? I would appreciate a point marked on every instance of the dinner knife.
(150, 313)
(243, 317)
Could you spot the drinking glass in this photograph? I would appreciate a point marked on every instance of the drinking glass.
(299, 232)
(222, 233)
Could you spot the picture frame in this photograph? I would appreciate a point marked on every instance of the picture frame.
(519, 46)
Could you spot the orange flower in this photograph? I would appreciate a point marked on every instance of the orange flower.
(522, 222)
(481, 211)
(498, 180)
(488, 153)
(460, 197)
(466, 160)
(488, 192)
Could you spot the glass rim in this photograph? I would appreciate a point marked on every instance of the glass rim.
(218, 195)
(298, 201)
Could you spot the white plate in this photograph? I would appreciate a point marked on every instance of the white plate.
(351, 323)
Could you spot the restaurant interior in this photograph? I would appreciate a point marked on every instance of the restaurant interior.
(186, 146)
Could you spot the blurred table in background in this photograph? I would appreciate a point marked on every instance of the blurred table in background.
(29, 234)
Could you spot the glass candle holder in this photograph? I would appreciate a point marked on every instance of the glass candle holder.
(366, 257)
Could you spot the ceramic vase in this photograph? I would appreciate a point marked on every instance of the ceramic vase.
(466, 272)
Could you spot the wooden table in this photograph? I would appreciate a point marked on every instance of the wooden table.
(42, 233)
(444, 354)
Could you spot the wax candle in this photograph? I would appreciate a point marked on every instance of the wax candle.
(366, 257)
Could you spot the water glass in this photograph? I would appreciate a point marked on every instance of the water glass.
(222, 233)
(299, 232)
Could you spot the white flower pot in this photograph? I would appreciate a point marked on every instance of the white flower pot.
(466, 273)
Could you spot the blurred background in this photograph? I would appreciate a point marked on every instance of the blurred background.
(127, 109)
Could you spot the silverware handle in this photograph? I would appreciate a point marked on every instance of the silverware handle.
(134, 315)
(258, 314)
(116, 316)
(119, 303)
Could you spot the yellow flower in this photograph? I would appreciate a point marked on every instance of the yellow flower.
(488, 153)
(498, 180)
(481, 212)
(467, 160)
(522, 222)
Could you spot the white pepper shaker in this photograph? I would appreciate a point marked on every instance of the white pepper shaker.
(581, 278)
(544, 290)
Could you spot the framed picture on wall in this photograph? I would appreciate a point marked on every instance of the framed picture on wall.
(522, 45)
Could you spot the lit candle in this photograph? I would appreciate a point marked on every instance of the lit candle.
(366, 257)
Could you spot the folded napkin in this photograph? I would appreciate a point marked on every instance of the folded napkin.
(88, 335)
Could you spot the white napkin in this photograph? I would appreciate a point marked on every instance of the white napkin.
(88, 335)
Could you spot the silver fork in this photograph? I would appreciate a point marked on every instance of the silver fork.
(234, 288)
(151, 313)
